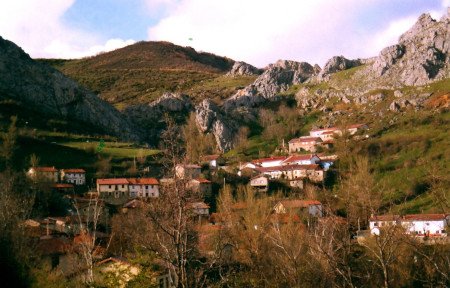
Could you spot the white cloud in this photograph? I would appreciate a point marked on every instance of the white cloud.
(260, 32)
(37, 26)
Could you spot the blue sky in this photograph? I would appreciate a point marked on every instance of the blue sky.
(256, 31)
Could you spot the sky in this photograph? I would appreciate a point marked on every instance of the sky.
(258, 32)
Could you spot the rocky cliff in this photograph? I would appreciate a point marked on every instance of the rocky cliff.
(45, 89)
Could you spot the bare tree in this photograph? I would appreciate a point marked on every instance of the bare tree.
(88, 220)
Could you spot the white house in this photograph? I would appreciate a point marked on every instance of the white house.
(313, 207)
(260, 183)
(292, 172)
(187, 171)
(269, 162)
(212, 160)
(74, 176)
(112, 187)
(417, 224)
(306, 159)
(143, 187)
(306, 143)
(43, 174)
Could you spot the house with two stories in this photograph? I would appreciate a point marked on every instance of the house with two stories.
(431, 225)
(297, 206)
(43, 174)
(304, 143)
(128, 188)
(74, 176)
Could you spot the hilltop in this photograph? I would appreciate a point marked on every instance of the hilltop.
(142, 72)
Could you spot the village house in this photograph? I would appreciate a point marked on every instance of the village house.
(63, 188)
(260, 183)
(73, 176)
(213, 161)
(43, 174)
(112, 187)
(268, 162)
(306, 159)
(199, 210)
(312, 207)
(432, 225)
(187, 171)
(328, 134)
(201, 185)
(304, 143)
(143, 187)
(312, 172)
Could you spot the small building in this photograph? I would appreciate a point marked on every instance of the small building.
(43, 174)
(268, 162)
(73, 176)
(304, 143)
(313, 207)
(63, 188)
(432, 225)
(200, 208)
(305, 159)
(260, 183)
(312, 172)
(187, 171)
(143, 187)
(213, 161)
(201, 185)
(112, 187)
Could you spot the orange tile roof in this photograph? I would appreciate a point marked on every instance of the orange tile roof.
(424, 217)
(297, 203)
(306, 139)
(62, 186)
(75, 170)
(202, 180)
(384, 218)
(112, 181)
(198, 205)
(143, 181)
(300, 157)
(210, 157)
(45, 169)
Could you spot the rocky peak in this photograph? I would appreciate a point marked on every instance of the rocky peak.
(278, 77)
(424, 22)
(242, 68)
(420, 57)
(337, 63)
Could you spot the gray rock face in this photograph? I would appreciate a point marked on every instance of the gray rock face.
(242, 68)
(421, 56)
(338, 63)
(172, 102)
(210, 119)
(276, 78)
(388, 57)
(47, 90)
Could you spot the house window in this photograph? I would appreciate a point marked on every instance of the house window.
(123, 186)
(109, 186)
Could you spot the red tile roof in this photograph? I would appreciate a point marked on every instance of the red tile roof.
(210, 157)
(296, 203)
(384, 218)
(62, 186)
(198, 205)
(324, 129)
(306, 139)
(143, 181)
(45, 169)
(295, 158)
(288, 168)
(424, 217)
(202, 180)
(75, 170)
(112, 181)
(270, 159)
